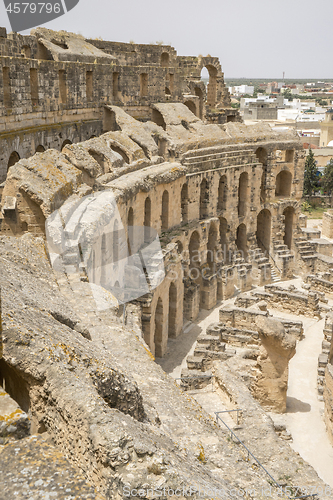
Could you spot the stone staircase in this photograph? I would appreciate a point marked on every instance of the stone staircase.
(305, 248)
(209, 347)
(283, 255)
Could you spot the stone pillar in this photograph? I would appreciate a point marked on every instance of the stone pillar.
(276, 349)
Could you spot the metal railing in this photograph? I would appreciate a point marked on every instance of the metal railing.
(232, 434)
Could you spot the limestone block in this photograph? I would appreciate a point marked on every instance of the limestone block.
(276, 349)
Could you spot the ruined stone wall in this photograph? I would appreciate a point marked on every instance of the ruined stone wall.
(201, 193)
(53, 78)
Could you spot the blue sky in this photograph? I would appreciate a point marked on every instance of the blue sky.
(253, 39)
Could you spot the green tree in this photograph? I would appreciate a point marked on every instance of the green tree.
(327, 179)
(310, 174)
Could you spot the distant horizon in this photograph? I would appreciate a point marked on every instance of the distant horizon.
(248, 39)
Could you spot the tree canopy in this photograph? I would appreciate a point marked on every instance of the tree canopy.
(310, 174)
(327, 179)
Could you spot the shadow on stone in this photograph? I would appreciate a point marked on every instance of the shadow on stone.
(296, 406)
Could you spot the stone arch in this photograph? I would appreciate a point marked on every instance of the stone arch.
(14, 158)
(204, 199)
(289, 216)
(211, 245)
(157, 118)
(184, 202)
(40, 149)
(165, 59)
(261, 154)
(222, 193)
(243, 189)
(212, 85)
(120, 151)
(173, 300)
(191, 106)
(147, 218)
(158, 333)
(65, 143)
(224, 239)
(165, 211)
(241, 240)
(283, 183)
(194, 250)
(263, 234)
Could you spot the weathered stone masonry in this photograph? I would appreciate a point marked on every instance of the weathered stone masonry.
(53, 87)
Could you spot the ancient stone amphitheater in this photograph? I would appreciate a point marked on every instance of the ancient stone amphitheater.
(86, 411)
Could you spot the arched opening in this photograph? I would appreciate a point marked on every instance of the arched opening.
(147, 219)
(40, 149)
(211, 245)
(198, 92)
(65, 143)
(172, 327)
(14, 158)
(283, 184)
(289, 156)
(165, 211)
(243, 193)
(130, 224)
(263, 233)
(26, 51)
(101, 159)
(224, 241)
(261, 154)
(121, 152)
(157, 118)
(241, 241)
(143, 84)
(194, 251)
(204, 199)
(212, 84)
(289, 214)
(191, 106)
(158, 335)
(222, 193)
(165, 59)
(184, 203)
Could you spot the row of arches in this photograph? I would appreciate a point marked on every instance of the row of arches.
(14, 157)
(161, 315)
(204, 211)
(170, 305)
